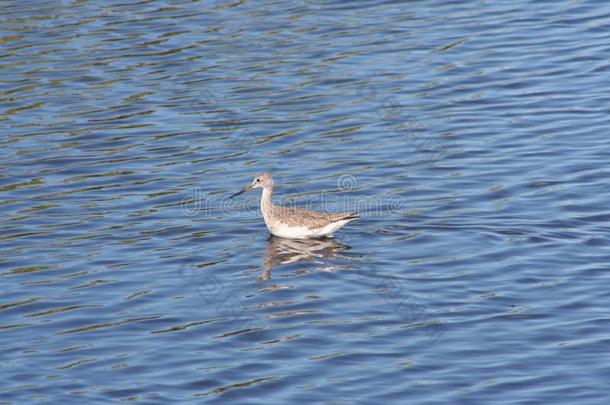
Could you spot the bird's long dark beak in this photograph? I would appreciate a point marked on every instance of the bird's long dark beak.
(242, 191)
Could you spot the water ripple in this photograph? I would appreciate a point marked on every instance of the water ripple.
(471, 136)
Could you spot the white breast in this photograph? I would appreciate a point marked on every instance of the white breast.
(299, 232)
(286, 231)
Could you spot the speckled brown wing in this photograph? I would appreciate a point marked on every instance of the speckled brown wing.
(310, 219)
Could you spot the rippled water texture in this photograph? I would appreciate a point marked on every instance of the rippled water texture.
(472, 137)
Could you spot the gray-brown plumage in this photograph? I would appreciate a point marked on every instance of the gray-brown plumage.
(303, 217)
(295, 222)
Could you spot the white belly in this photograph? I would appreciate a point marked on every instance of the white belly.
(300, 232)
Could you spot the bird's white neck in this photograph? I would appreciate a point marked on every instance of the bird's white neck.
(266, 201)
(267, 205)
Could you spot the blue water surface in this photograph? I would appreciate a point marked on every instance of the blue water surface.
(472, 138)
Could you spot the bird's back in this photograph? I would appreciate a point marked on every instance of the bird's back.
(298, 217)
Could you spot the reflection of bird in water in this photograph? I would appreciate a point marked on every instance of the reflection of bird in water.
(281, 251)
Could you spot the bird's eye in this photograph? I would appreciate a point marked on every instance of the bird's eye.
(258, 180)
